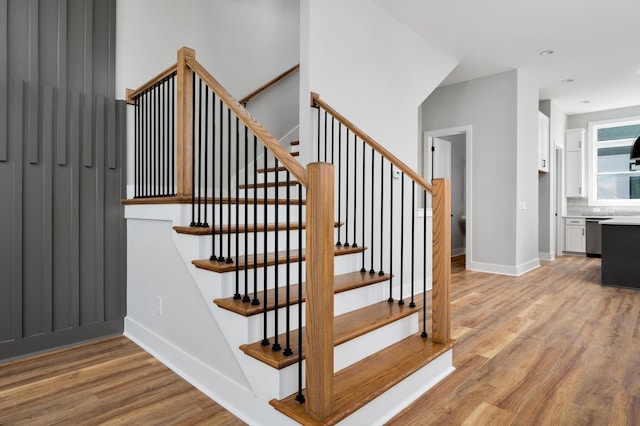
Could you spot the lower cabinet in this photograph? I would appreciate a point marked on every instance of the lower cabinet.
(575, 239)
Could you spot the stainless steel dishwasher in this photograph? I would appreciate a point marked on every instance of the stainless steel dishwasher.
(594, 237)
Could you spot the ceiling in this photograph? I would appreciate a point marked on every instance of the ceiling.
(596, 44)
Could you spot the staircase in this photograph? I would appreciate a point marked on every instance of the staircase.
(249, 264)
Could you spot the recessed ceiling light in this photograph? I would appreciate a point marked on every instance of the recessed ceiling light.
(567, 80)
(586, 101)
(546, 52)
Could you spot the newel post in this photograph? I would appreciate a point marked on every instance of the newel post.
(319, 298)
(184, 125)
(440, 293)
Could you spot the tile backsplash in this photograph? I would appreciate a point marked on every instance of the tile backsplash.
(579, 206)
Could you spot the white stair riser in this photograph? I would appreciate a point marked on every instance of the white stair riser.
(252, 243)
(344, 355)
(229, 213)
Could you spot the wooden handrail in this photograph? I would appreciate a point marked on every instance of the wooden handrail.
(265, 86)
(285, 158)
(133, 94)
(315, 100)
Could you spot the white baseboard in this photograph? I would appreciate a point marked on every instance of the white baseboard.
(232, 396)
(547, 256)
(458, 251)
(514, 271)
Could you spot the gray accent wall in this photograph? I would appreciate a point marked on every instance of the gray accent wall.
(62, 231)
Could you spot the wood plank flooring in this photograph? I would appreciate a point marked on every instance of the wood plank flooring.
(551, 347)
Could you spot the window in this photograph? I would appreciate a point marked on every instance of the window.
(613, 178)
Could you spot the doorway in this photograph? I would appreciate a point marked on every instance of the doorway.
(447, 154)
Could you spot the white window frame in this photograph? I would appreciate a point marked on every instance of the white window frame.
(592, 160)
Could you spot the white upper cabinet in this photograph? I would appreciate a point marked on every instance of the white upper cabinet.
(543, 142)
(574, 163)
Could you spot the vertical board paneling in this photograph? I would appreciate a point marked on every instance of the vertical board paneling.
(99, 207)
(32, 128)
(112, 152)
(61, 141)
(62, 230)
(3, 81)
(74, 217)
(17, 127)
(48, 129)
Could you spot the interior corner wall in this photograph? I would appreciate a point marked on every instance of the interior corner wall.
(371, 68)
(489, 106)
(527, 173)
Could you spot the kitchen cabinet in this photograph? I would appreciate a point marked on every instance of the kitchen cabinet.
(543, 142)
(575, 239)
(574, 163)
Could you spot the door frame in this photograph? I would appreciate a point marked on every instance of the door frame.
(468, 132)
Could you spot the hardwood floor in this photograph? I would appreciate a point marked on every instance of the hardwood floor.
(550, 347)
(112, 381)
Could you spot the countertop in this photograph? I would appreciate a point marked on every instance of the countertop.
(631, 220)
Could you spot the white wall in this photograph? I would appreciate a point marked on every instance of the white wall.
(458, 170)
(527, 173)
(371, 68)
(488, 105)
(243, 44)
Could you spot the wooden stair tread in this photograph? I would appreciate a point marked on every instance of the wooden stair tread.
(265, 260)
(362, 382)
(294, 143)
(295, 154)
(272, 169)
(208, 200)
(345, 327)
(344, 282)
(267, 184)
(206, 230)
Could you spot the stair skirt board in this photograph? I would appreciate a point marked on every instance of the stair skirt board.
(284, 382)
(234, 397)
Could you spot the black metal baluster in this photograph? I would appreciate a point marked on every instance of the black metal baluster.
(255, 300)
(333, 138)
(390, 300)
(173, 137)
(214, 225)
(424, 270)
(364, 171)
(413, 239)
(153, 141)
(276, 345)
(381, 272)
(318, 156)
(229, 259)
(237, 208)
(373, 190)
(355, 188)
(205, 223)
(221, 203)
(339, 244)
(199, 155)
(246, 297)
(287, 350)
(325, 137)
(300, 397)
(265, 280)
(401, 300)
(346, 192)
(136, 153)
(156, 146)
(163, 141)
(193, 157)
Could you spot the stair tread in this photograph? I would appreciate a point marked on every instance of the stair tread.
(295, 154)
(362, 382)
(272, 169)
(294, 143)
(341, 283)
(269, 259)
(208, 200)
(345, 327)
(206, 230)
(267, 184)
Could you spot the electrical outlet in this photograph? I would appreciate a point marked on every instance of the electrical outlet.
(158, 305)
